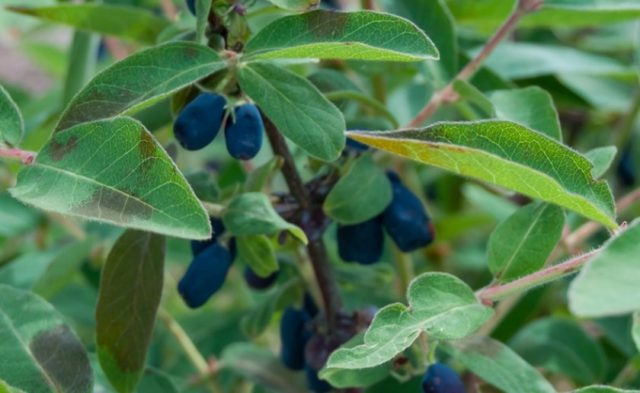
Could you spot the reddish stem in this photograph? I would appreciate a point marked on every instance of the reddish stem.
(26, 157)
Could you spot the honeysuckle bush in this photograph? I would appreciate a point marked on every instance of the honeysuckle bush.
(493, 140)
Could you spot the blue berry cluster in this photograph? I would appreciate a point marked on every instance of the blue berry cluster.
(200, 121)
(405, 220)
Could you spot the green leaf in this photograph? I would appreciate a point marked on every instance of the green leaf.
(130, 291)
(583, 13)
(15, 217)
(439, 304)
(475, 96)
(635, 329)
(498, 365)
(11, 122)
(61, 269)
(608, 284)
(252, 214)
(297, 109)
(82, 63)
(603, 389)
(508, 155)
(561, 346)
(531, 107)
(4, 388)
(257, 320)
(154, 381)
(262, 367)
(361, 194)
(140, 80)
(132, 183)
(45, 354)
(601, 158)
(365, 100)
(130, 23)
(522, 243)
(360, 35)
(203, 8)
(295, 5)
(261, 177)
(258, 253)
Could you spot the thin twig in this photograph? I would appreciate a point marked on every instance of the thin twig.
(26, 157)
(448, 94)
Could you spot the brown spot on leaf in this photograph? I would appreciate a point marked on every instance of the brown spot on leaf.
(58, 150)
(147, 149)
(114, 206)
(327, 24)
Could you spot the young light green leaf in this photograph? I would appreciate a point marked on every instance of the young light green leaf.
(5, 388)
(130, 291)
(36, 337)
(561, 346)
(11, 122)
(601, 158)
(531, 107)
(473, 95)
(203, 8)
(252, 214)
(498, 365)
(440, 305)
(257, 320)
(124, 22)
(61, 269)
(132, 183)
(258, 253)
(522, 243)
(360, 35)
(608, 284)
(505, 154)
(140, 80)
(296, 5)
(361, 194)
(603, 389)
(635, 329)
(296, 108)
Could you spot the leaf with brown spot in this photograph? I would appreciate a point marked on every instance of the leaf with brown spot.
(113, 171)
(362, 35)
(130, 291)
(35, 336)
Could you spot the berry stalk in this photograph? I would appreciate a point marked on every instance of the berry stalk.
(26, 157)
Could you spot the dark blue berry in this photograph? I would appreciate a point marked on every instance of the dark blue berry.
(199, 121)
(293, 337)
(197, 246)
(440, 378)
(314, 383)
(626, 169)
(205, 275)
(355, 146)
(191, 4)
(361, 243)
(256, 282)
(405, 219)
(244, 136)
(309, 305)
(331, 4)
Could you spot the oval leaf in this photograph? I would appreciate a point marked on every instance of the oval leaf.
(497, 364)
(361, 194)
(139, 80)
(439, 304)
(505, 154)
(362, 35)
(113, 171)
(35, 337)
(522, 243)
(297, 109)
(608, 284)
(11, 123)
(252, 214)
(124, 22)
(257, 252)
(295, 5)
(130, 291)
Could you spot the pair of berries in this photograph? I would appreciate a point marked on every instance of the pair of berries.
(199, 122)
(210, 266)
(405, 220)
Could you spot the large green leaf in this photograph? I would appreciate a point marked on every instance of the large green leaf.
(522, 243)
(439, 304)
(497, 364)
(130, 291)
(113, 171)
(608, 284)
(251, 213)
(297, 109)
(361, 194)
(561, 346)
(11, 123)
(40, 353)
(296, 5)
(505, 154)
(361, 35)
(124, 22)
(139, 80)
